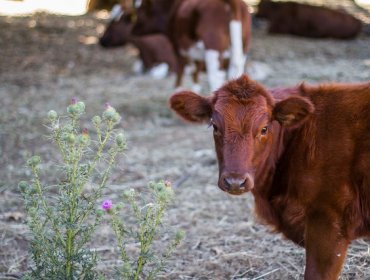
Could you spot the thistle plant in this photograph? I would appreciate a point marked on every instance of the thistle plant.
(62, 217)
(148, 213)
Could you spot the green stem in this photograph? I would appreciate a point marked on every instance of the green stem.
(69, 253)
(45, 206)
(120, 236)
(73, 203)
(146, 237)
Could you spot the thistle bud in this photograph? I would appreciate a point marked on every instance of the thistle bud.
(23, 186)
(96, 120)
(84, 138)
(99, 213)
(118, 206)
(120, 140)
(76, 108)
(180, 234)
(72, 109)
(69, 138)
(109, 112)
(33, 161)
(116, 117)
(80, 107)
(52, 115)
(129, 193)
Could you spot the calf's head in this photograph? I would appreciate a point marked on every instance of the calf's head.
(245, 120)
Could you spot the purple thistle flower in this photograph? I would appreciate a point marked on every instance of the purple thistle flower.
(74, 100)
(107, 204)
(85, 131)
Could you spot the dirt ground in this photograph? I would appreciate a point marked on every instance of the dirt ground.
(45, 60)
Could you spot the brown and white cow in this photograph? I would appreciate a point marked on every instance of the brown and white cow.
(307, 20)
(212, 34)
(304, 154)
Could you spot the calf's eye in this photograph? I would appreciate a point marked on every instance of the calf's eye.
(264, 130)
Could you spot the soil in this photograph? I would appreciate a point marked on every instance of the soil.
(48, 59)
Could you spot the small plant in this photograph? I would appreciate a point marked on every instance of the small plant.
(61, 224)
(148, 215)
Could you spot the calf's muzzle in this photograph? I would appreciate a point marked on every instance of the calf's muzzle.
(236, 183)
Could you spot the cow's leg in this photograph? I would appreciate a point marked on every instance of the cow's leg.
(237, 58)
(216, 77)
(180, 72)
(196, 87)
(326, 247)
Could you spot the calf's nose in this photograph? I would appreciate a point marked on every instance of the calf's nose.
(236, 182)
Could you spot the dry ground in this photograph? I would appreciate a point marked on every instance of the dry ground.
(46, 59)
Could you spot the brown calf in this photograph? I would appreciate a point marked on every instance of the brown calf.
(309, 21)
(303, 152)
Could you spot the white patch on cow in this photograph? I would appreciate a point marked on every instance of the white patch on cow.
(189, 68)
(197, 88)
(160, 71)
(195, 52)
(238, 58)
(116, 13)
(216, 77)
(138, 67)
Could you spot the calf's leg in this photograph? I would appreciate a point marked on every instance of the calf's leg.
(326, 247)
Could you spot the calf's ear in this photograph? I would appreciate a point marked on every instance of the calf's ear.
(293, 111)
(191, 107)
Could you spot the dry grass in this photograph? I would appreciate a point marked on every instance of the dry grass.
(46, 59)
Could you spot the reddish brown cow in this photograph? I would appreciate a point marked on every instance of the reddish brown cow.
(303, 152)
(307, 20)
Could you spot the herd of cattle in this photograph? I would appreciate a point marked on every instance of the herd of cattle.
(303, 152)
(213, 35)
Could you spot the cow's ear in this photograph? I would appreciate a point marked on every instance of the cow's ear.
(191, 107)
(293, 111)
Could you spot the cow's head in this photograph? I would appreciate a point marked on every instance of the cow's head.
(245, 118)
(152, 17)
(119, 28)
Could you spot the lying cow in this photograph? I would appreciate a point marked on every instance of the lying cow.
(155, 50)
(309, 21)
(303, 152)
